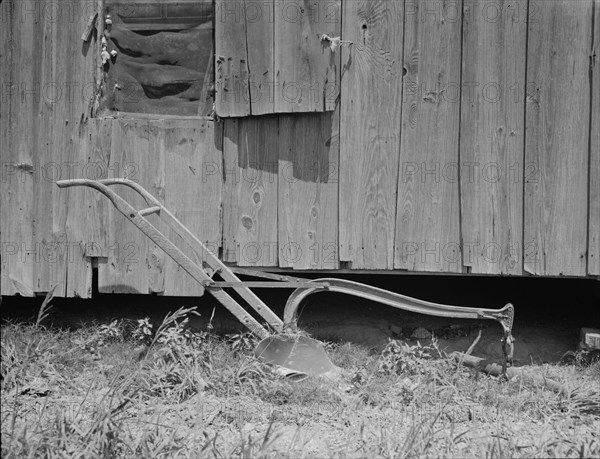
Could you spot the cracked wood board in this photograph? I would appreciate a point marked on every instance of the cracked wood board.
(369, 132)
(270, 58)
(232, 97)
(74, 68)
(307, 72)
(260, 32)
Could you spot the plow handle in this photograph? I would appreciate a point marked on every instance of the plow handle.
(154, 206)
(137, 218)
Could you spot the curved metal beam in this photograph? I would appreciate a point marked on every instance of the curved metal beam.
(504, 315)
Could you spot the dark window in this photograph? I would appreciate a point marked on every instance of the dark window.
(164, 57)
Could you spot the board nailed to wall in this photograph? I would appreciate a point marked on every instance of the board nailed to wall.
(272, 56)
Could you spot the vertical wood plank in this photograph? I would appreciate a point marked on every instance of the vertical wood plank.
(557, 137)
(594, 197)
(308, 191)
(307, 70)
(44, 187)
(18, 169)
(126, 270)
(232, 96)
(98, 140)
(427, 224)
(153, 165)
(193, 193)
(74, 67)
(260, 27)
(6, 145)
(369, 143)
(137, 263)
(62, 139)
(492, 135)
(250, 150)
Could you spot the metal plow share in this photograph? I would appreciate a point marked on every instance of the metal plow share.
(293, 352)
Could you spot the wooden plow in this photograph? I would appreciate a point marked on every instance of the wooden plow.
(281, 343)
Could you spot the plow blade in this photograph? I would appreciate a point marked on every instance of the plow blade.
(298, 356)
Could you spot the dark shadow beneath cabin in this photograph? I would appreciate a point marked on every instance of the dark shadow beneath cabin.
(549, 313)
(161, 57)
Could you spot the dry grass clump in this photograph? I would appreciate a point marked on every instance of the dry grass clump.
(138, 389)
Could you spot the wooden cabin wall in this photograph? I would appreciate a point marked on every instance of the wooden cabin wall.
(47, 77)
(465, 140)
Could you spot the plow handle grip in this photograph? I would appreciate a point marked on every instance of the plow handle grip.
(151, 201)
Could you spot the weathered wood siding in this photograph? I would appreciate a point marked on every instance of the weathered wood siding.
(172, 160)
(306, 72)
(47, 85)
(249, 170)
(270, 57)
(308, 191)
(369, 132)
(491, 143)
(427, 225)
(557, 146)
(594, 198)
(464, 139)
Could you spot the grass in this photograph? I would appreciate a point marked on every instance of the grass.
(137, 389)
